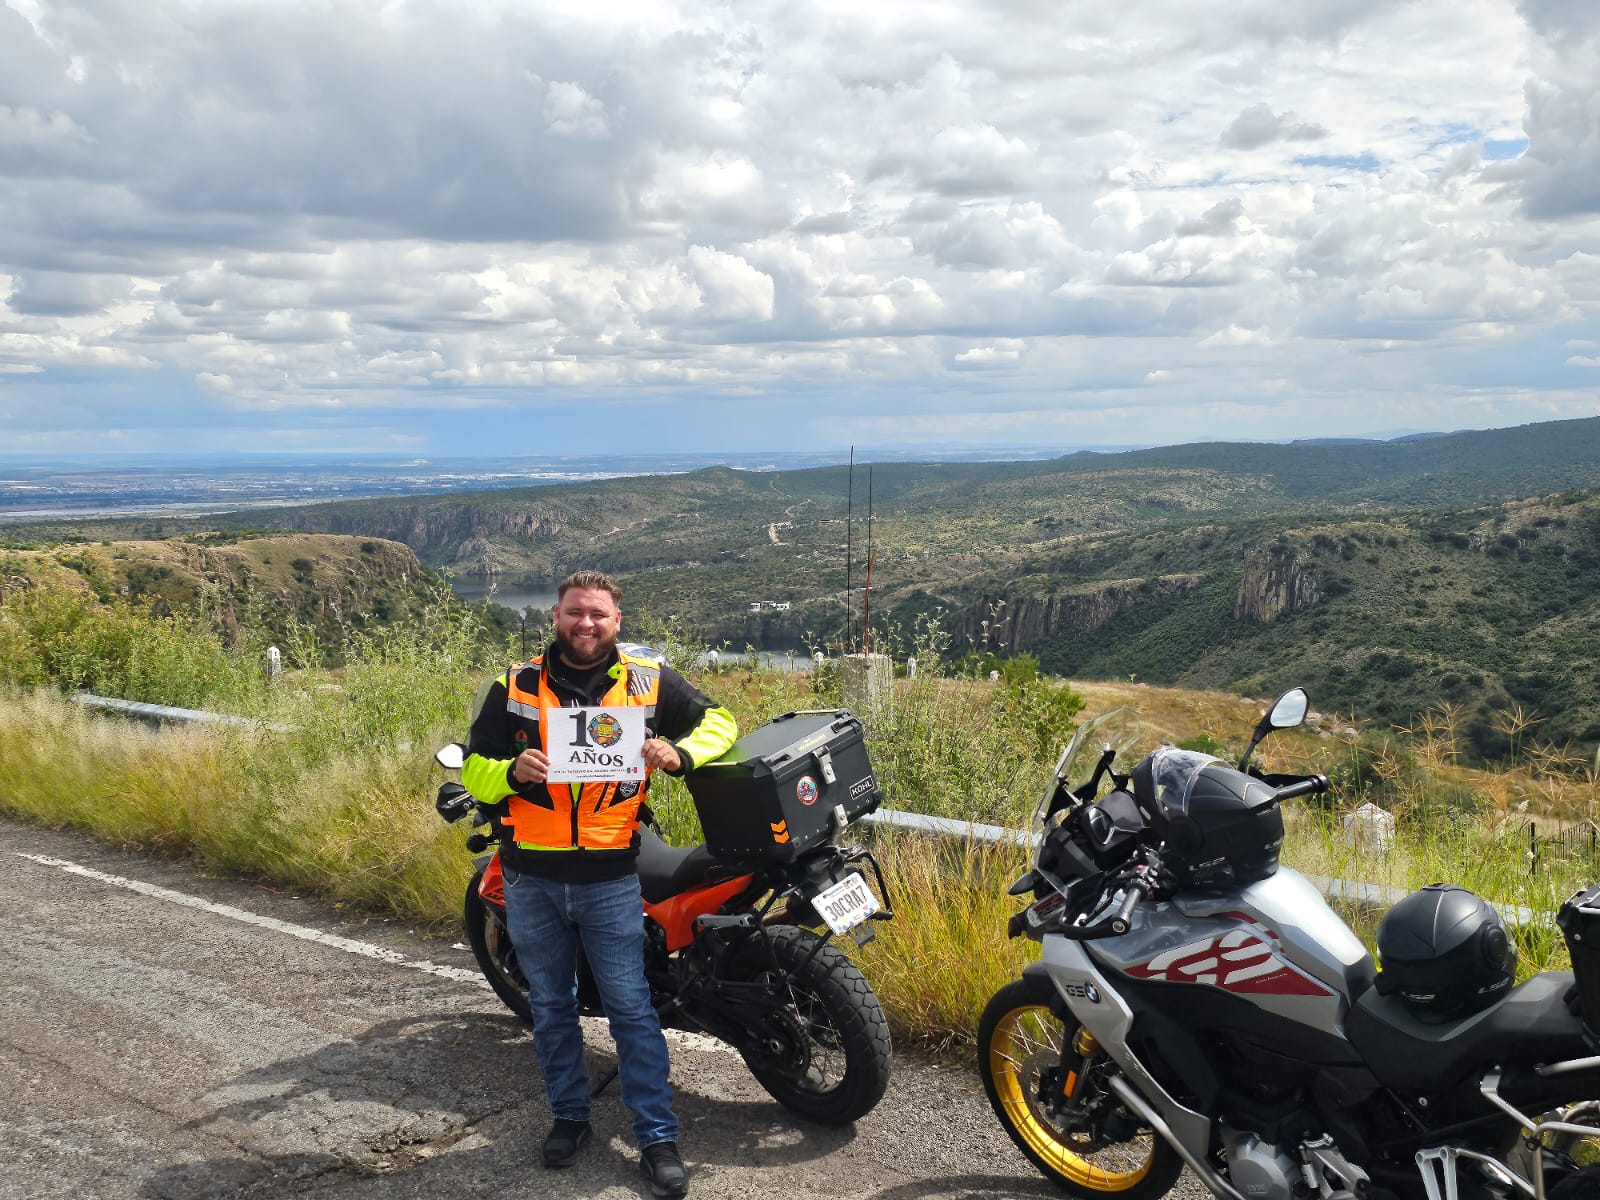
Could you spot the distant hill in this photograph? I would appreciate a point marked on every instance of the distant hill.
(1453, 568)
(1334, 441)
(1486, 609)
(330, 585)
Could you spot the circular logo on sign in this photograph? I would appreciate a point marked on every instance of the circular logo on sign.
(606, 730)
(806, 790)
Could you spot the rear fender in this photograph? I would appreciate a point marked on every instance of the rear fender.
(821, 867)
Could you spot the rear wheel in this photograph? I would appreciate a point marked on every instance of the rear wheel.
(1571, 1160)
(491, 946)
(1099, 1148)
(823, 1051)
(1581, 1184)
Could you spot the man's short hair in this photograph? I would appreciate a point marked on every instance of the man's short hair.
(590, 581)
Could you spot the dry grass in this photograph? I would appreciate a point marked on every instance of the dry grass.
(356, 828)
(340, 811)
(945, 953)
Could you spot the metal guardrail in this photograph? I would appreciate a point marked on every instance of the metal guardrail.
(1366, 895)
(1372, 896)
(971, 831)
(161, 714)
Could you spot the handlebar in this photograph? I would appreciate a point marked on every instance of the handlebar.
(1138, 889)
(454, 802)
(1311, 785)
(1134, 893)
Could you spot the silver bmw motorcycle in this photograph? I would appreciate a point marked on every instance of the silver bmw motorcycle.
(1197, 1004)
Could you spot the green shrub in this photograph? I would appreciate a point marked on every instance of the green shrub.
(72, 642)
(1204, 743)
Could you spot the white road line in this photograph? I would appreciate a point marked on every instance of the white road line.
(306, 933)
(366, 949)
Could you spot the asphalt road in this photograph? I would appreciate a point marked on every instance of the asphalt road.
(168, 1035)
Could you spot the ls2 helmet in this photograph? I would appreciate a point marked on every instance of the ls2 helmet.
(1445, 952)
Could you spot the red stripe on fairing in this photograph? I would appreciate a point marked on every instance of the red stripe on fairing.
(1237, 961)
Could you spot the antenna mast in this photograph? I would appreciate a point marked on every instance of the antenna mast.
(866, 595)
(849, 516)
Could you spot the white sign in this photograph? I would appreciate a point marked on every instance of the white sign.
(593, 745)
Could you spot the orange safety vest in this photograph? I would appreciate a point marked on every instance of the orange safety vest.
(586, 816)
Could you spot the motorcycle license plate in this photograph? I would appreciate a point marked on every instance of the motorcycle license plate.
(845, 904)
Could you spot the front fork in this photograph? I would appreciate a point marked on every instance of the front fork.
(1065, 1092)
(1061, 1090)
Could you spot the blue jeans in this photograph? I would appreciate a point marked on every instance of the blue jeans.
(608, 918)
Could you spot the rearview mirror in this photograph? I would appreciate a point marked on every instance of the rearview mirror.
(1290, 710)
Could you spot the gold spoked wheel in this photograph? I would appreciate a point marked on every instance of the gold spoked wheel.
(1020, 1040)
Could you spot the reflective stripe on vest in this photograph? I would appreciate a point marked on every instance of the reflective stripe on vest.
(588, 816)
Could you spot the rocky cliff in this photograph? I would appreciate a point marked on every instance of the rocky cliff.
(475, 540)
(1280, 579)
(1015, 622)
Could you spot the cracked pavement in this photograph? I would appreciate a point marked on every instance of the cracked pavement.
(160, 1050)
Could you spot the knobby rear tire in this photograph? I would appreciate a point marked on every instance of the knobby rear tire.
(826, 1054)
(491, 946)
(1018, 1038)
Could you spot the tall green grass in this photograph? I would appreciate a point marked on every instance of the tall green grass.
(341, 803)
(73, 642)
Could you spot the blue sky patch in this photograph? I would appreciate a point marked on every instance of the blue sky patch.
(1340, 162)
(1501, 149)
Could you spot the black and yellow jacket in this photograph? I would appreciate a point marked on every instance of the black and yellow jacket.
(581, 832)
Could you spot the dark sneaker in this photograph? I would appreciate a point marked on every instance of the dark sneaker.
(668, 1175)
(565, 1139)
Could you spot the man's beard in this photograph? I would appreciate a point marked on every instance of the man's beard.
(572, 658)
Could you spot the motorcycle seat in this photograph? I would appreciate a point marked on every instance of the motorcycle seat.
(666, 871)
(1531, 1024)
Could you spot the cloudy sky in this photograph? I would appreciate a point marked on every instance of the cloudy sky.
(543, 228)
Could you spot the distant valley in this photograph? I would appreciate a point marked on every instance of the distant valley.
(1388, 577)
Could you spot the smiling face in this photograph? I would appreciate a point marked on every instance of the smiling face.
(587, 622)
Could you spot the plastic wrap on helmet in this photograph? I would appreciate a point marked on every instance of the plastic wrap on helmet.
(1173, 774)
(1222, 827)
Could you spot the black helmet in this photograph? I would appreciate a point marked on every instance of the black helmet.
(1445, 952)
(1221, 827)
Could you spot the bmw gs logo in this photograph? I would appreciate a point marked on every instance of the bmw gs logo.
(1091, 993)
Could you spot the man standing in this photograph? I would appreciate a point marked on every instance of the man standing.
(568, 851)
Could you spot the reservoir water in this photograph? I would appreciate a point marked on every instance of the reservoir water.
(518, 596)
